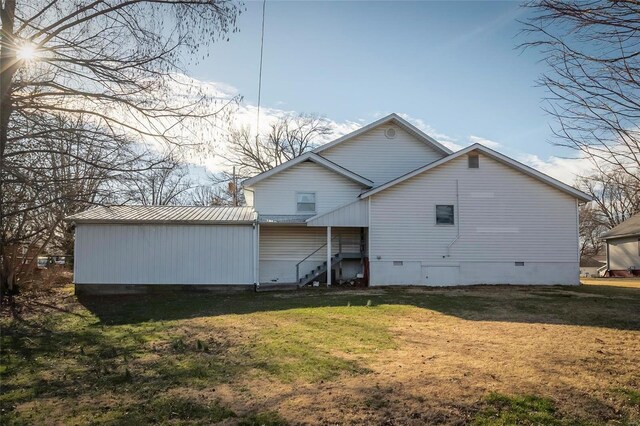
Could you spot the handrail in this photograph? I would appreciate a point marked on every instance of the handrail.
(308, 256)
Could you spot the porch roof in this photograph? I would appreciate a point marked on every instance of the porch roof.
(282, 219)
(355, 213)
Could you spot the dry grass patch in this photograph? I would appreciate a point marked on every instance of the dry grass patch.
(483, 355)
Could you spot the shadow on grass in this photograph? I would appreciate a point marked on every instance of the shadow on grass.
(586, 305)
(134, 352)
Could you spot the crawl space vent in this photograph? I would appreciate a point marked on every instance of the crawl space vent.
(390, 133)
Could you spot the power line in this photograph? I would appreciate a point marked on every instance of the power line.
(264, 6)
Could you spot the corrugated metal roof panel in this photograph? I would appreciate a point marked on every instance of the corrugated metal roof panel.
(165, 214)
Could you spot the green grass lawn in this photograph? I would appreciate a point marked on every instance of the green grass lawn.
(483, 355)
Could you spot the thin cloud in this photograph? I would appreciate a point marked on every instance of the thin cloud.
(244, 114)
(484, 141)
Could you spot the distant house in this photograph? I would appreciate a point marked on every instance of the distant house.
(623, 248)
(385, 204)
(590, 266)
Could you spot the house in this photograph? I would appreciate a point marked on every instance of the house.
(623, 248)
(386, 203)
(590, 266)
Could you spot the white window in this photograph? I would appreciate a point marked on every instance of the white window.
(306, 202)
(444, 214)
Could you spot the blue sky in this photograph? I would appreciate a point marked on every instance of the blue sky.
(453, 65)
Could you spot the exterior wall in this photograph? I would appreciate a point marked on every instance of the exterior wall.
(589, 271)
(282, 247)
(379, 159)
(501, 217)
(277, 194)
(164, 254)
(471, 273)
(624, 253)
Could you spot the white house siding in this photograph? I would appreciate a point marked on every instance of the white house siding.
(276, 195)
(164, 254)
(379, 159)
(624, 253)
(502, 217)
(282, 247)
(353, 214)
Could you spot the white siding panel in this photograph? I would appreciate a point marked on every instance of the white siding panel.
(501, 216)
(277, 194)
(379, 159)
(353, 214)
(624, 253)
(163, 254)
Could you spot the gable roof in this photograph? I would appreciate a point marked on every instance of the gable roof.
(496, 156)
(400, 122)
(165, 214)
(322, 161)
(590, 262)
(628, 228)
(319, 160)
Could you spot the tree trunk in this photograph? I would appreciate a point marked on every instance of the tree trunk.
(8, 67)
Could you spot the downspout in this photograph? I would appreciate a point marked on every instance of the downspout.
(256, 254)
(456, 208)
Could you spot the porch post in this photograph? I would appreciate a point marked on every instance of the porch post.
(328, 256)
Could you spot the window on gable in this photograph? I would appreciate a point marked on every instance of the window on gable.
(474, 161)
(306, 202)
(444, 214)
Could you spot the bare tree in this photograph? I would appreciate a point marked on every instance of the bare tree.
(616, 196)
(591, 48)
(105, 72)
(217, 194)
(167, 183)
(591, 229)
(288, 138)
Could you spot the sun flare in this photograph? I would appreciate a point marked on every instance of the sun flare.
(27, 51)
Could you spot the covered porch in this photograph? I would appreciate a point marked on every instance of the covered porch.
(327, 249)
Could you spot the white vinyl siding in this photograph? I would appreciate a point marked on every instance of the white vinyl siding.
(276, 195)
(501, 216)
(379, 159)
(623, 253)
(164, 254)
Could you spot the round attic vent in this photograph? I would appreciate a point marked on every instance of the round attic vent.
(390, 133)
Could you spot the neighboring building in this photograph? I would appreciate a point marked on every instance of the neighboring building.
(591, 266)
(386, 204)
(623, 248)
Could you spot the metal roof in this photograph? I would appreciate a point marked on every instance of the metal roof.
(628, 228)
(283, 218)
(165, 214)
